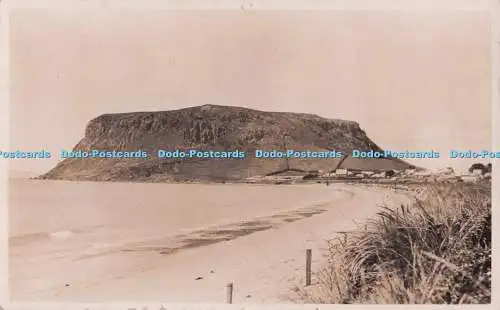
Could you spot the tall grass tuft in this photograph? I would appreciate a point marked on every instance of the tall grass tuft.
(435, 250)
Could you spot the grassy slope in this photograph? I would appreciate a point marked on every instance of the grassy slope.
(437, 250)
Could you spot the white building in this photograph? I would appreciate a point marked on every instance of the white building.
(477, 172)
(341, 171)
(470, 178)
(410, 171)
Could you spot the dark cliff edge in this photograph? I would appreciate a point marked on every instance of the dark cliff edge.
(212, 127)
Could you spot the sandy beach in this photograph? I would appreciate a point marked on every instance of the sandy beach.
(109, 242)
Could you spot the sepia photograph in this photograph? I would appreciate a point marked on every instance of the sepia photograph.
(250, 156)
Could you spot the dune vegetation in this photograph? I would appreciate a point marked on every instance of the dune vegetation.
(437, 249)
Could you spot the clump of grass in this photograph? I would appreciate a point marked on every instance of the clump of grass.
(435, 250)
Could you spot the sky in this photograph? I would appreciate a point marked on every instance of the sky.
(414, 80)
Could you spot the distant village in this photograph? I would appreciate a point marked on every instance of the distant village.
(477, 172)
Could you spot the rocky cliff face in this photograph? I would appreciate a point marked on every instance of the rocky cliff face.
(208, 127)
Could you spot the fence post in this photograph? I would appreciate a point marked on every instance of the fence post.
(308, 266)
(229, 291)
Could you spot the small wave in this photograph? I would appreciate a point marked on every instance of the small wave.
(61, 234)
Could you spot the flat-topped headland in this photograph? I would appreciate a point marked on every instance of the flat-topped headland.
(213, 128)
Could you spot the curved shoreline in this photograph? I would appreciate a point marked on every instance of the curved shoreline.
(251, 251)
